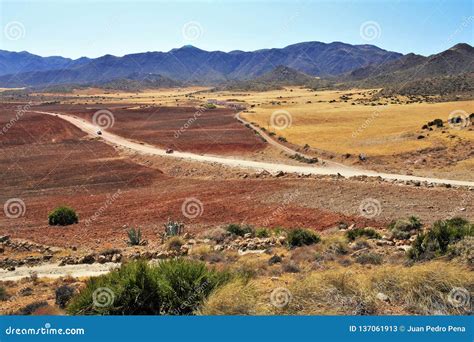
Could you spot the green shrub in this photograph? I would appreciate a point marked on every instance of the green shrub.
(358, 232)
(64, 294)
(134, 236)
(209, 106)
(402, 229)
(437, 240)
(62, 216)
(262, 233)
(172, 287)
(302, 237)
(239, 230)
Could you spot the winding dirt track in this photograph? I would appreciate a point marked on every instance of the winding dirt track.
(330, 169)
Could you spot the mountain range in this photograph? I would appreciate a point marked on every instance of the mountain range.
(310, 63)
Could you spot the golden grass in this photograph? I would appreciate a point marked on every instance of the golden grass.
(421, 289)
(344, 128)
(235, 298)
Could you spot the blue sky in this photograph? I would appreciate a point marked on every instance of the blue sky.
(94, 28)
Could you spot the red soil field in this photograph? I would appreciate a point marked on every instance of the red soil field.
(47, 162)
(192, 129)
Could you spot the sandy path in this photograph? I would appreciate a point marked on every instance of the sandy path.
(56, 271)
(331, 169)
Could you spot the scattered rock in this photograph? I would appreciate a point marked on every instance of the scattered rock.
(383, 297)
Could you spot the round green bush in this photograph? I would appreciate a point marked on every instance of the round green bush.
(62, 216)
(302, 237)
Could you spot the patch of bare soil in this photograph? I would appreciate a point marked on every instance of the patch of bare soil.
(192, 129)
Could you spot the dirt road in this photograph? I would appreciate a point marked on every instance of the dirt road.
(332, 169)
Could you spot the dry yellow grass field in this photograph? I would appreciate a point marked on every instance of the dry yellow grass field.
(344, 128)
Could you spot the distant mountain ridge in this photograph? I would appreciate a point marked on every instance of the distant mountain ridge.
(190, 64)
(313, 64)
(457, 60)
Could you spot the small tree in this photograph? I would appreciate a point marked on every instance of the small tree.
(62, 216)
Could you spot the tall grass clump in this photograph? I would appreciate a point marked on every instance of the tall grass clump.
(421, 289)
(172, 287)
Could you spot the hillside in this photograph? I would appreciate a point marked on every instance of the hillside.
(276, 79)
(455, 61)
(193, 65)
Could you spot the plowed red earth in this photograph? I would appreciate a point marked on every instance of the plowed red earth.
(47, 162)
(180, 128)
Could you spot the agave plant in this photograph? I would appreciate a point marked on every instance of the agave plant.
(173, 228)
(134, 237)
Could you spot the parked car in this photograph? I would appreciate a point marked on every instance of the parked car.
(169, 150)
